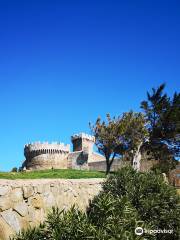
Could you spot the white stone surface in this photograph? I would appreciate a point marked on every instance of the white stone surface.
(25, 203)
(10, 217)
(4, 190)
(21, 208)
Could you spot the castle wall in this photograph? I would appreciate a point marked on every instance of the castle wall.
(47, 161)
(25, 203)
(146, 165)
(46, 147)
(78, 160)
(174, 176)
(101, 165)
(77, 145)
(95, 157)
(46, 155)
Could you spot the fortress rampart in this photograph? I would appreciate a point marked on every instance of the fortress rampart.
(37, 148)
(46, 155)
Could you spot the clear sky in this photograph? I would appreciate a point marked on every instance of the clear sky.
(64, 63)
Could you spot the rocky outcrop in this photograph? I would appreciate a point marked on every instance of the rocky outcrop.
(25, 203)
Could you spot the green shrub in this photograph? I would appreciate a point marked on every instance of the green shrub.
(116, 217)
(129, 199)
(156, 202)
(35, 233)
(14, 169)
(164, 166)
(69, 225)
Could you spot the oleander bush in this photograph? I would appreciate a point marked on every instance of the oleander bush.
(129, 199)
(156, 202)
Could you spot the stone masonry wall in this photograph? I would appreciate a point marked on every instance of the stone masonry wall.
(101, 166)
(78, 160)
(25, 203)
(46, 155)
(48, 161)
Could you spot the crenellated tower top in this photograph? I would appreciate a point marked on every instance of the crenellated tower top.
(83, 136)
(37, 148)
(83, 142)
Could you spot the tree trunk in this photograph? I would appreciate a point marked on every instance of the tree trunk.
(137, 158)
(108, 167)
(109, 163)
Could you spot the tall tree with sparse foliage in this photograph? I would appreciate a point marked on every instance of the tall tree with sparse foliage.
(115, 136)
(163, 116)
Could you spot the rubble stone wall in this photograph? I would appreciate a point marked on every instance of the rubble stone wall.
(25, 203)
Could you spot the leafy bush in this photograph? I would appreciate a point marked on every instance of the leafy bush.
(69, 225)
(129, 199)
(156, 202)
(14, 169)
(61, 225)
(116, 217)
(36, 233)
(164, 166)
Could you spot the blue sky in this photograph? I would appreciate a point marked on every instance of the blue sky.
(64, 63)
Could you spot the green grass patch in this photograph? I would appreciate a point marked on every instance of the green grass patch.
(56, 173)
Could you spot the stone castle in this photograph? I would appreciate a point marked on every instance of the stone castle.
(40, 156)
(58, 155)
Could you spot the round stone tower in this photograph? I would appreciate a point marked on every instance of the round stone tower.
(46, 155)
